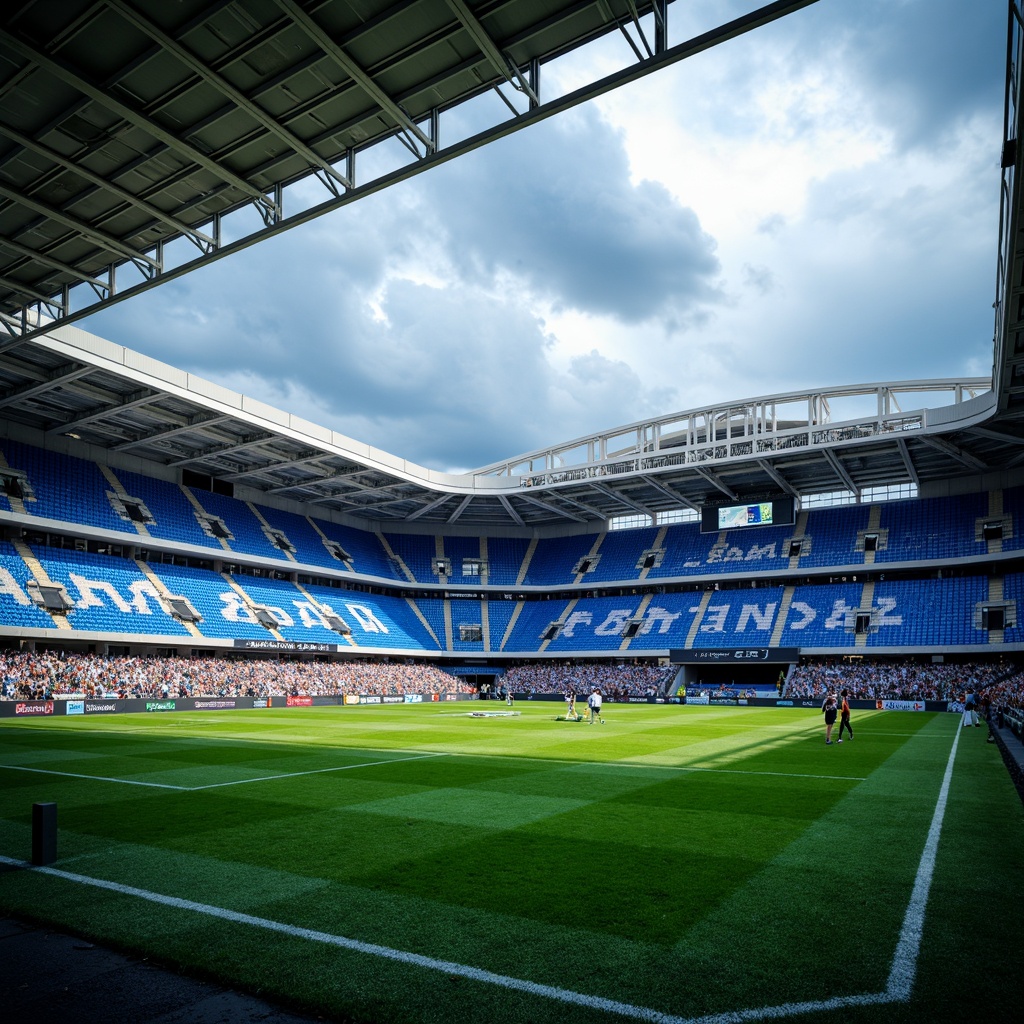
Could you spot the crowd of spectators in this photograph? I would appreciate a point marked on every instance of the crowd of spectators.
(614, 681)
(46, 675)
(1007, 694)
(904, 679)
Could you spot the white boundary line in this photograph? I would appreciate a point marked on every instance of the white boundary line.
(567, 765)
(91, 778)
(898, 988)
(315, 771)
(216, 785)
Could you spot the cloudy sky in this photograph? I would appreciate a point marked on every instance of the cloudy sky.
(811, 205)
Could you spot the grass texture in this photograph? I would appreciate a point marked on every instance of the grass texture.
(670, 865)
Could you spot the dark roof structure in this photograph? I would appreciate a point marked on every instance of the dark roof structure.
(140, 138)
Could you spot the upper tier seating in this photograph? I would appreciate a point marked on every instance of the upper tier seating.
(173, 514)
(417, 553)
(920, 531)
(932, 528)
(505, 556)
(66, 489)
(554, 560)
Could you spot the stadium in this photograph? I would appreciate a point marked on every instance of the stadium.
(302, 702)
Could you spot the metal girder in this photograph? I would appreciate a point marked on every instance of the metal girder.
(561, 512)
(17, 286)
(669, 492)
(61, 375)
(833, 460)
(55, 264)
(203, 241)
(908, 462)
(355, 72)
(463, 505)
(60, 70)
(596, 513)
(623, 500)
(226, 88)
(133, 401)
(195, 423)
(87, 231)
(513, 514)
(227, 448)
(500, 62)
(779, 479)
(26, 322)
(436, 503)
(998, 435)
(348, 474)
(660, 12)
(302, 460)
(969, 460)
(716, 483)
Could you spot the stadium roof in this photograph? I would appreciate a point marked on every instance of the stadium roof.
(132, 131)
(140, 139)
(70, 388)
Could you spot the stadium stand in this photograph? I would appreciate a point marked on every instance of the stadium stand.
(825, 583)
(172, 515)
(63, 488)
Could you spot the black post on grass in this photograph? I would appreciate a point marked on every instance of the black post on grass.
(44, 833)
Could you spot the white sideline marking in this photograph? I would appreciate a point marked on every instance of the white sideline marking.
(91, 778)
(904, 961)
(215, 785)
(413, 959)
(898, 988)
(315, 771)
(743, 771)
(569, 765)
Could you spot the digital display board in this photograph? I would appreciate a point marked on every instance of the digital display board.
(774, 512)
(731, 516)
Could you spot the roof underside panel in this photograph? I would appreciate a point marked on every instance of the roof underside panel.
(126, 125)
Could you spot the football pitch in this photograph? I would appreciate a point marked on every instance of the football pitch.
(416, 863)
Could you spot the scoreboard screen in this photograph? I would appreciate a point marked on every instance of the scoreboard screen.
(776, 512)
(745, 515)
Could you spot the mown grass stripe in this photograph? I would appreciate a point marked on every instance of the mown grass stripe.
(313, 771)
(217, 785)
(91, 778)
(572, 765)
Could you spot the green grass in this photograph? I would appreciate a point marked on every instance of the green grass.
(693, 861)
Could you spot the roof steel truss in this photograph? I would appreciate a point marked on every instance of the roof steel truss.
(127, 125)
